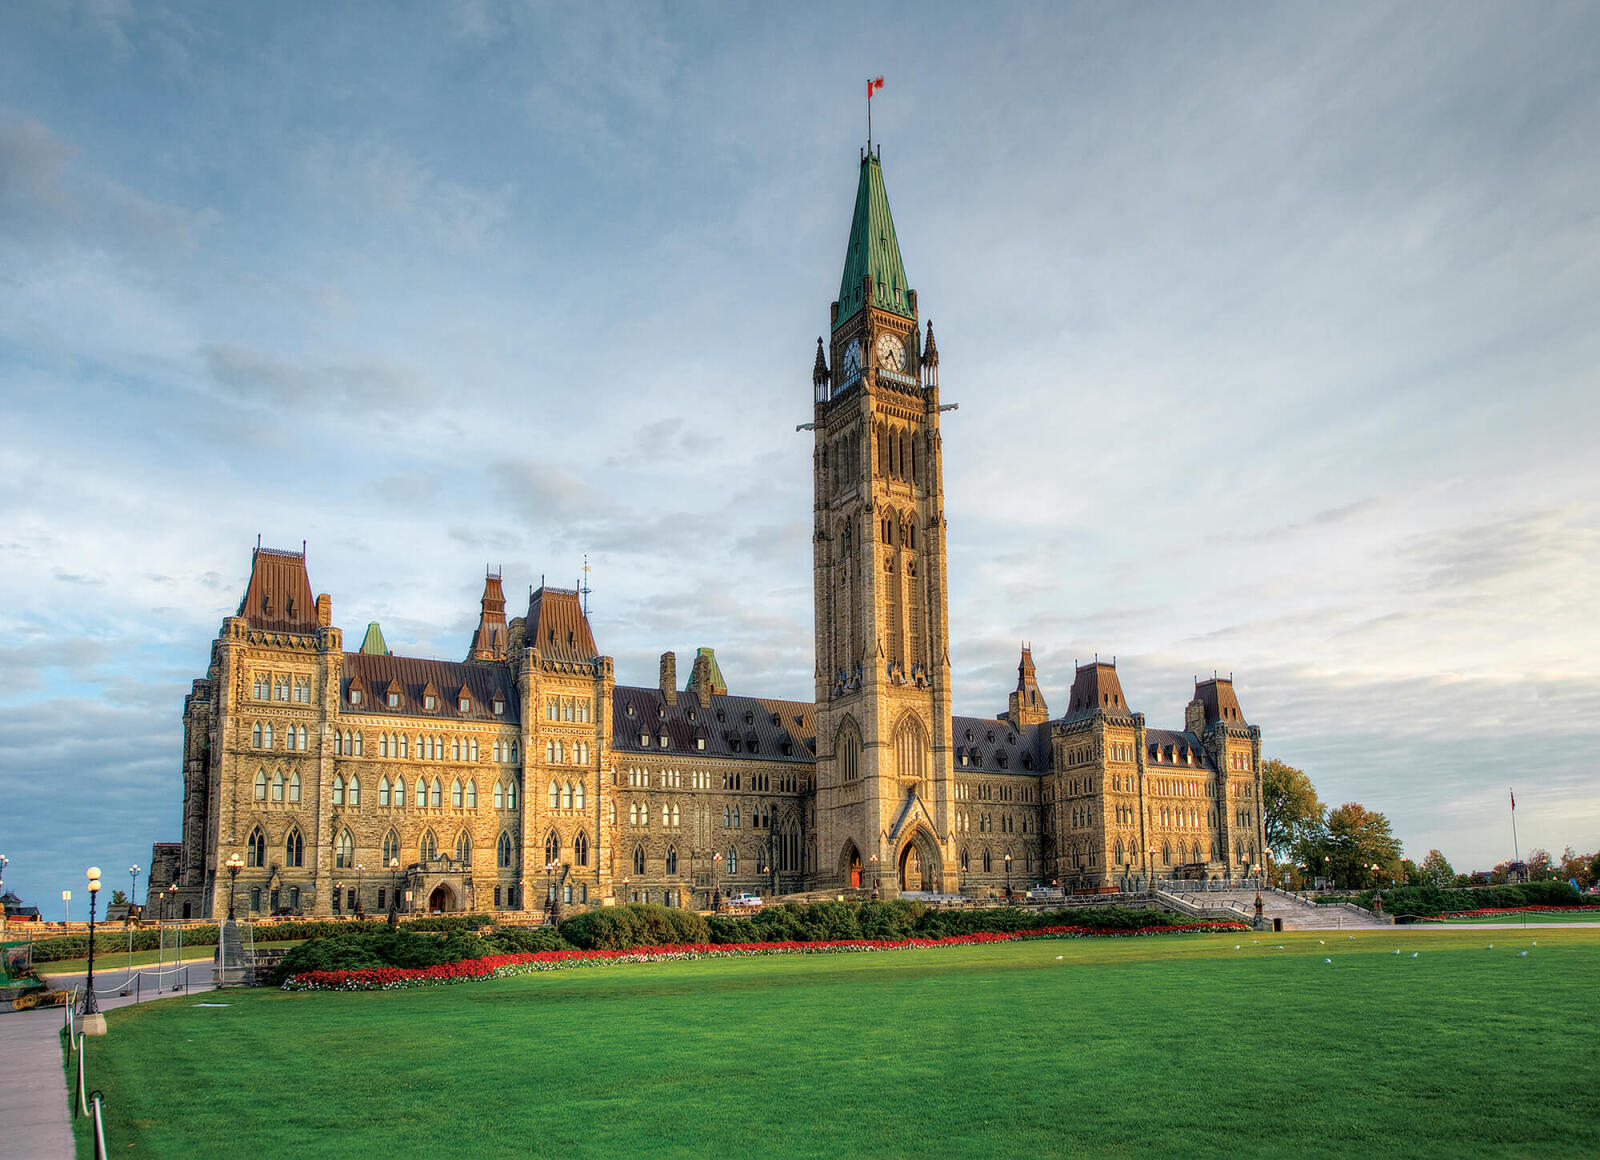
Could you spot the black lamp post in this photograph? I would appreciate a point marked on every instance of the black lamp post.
(877, 883)
(90, 1007)
(1008, 877)
(716, 883)
(394, 892)
(361, 901)
(552, 905)
(172, 900)
(338, 898)
(234, 864)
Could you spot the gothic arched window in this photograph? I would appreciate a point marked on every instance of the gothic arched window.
(502, 851)
(638, 859)
(255, 853)
(344, 850)
(580, 849)
(294, 849)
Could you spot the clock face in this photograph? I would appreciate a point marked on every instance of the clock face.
(891, 354)
(852, 359)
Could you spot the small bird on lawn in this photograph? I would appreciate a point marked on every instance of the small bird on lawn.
(1414, 954)
(1280, 946)
(1491, 946)
(1327, 960)
(1236, 946)
(1058, 958)
(1322, 942)
(1396, 950)
(1522, 954)
(1535, 942)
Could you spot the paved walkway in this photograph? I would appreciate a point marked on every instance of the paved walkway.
(35, 1105)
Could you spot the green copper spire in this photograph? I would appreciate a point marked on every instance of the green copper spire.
(874, 252)
(372, 644)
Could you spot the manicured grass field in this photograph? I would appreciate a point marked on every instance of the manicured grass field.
(1173, 1047)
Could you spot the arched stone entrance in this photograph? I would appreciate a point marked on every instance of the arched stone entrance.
(921, 868)
(442, 900)
(850, 866)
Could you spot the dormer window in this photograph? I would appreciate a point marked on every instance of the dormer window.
(499, 707)
(394, 699)
(644, 739)
(749, 717)
(355, 696)
(629, 710)
(464, 704)
(429, 701)
(963, 757)
(699, 742)
(661, 712)
(663, 740)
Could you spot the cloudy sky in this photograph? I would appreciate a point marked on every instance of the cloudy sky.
(1273, 330)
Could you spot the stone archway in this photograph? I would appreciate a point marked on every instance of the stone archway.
(920, 866)
(442, 900)
(850, 866)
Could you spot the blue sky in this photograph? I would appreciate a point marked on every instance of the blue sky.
(1273, 330)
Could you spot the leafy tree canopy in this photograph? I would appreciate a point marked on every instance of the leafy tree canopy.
(1290, 808)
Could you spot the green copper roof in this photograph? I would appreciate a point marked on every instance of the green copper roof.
(717, 683)
(874, 251)
(372, 644)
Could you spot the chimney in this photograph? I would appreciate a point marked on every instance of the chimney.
(669, 678)
(324, 610)
(1194, 717)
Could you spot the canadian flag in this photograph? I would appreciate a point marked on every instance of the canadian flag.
(873, 86)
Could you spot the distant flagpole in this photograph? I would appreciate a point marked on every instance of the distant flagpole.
(1516, 854)
(873, 85)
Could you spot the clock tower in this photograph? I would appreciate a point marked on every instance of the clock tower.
(885, 812)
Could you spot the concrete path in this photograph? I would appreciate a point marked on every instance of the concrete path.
(35, 1104)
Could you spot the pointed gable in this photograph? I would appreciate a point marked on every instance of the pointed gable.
(873, 254)
(278, 597)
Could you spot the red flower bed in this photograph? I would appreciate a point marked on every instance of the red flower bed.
(1487, 911)
(503, 966)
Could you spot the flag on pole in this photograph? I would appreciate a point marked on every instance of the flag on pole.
(873, 86)
(1513, 799)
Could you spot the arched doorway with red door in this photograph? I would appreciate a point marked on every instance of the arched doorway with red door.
(442, 900)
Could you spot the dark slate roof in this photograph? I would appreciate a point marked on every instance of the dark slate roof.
(873, 252)
(414, 674)
(1221, 703)
(1164, 748)
(278, 597)
(994, 746)
(557, 627)
(1095, 686)
(757, 728)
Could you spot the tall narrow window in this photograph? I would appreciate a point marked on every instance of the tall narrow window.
(338, 789)
(555, 796)
(261, 785)
(294, 849)
(472, 794)
(277, 786)
(294, 786)
(638, 859)
(511, 795)
(577, 797)
(383, 793)
(566, 796)
(255, 853)
(456, 798)
(344, 850)
(436, 799)
(580, 849)
(391, 847)
(399, 792)
(355, 791)
(428, 848)
(464, 848)
(502, 851)
(552, 847)
(499, 796)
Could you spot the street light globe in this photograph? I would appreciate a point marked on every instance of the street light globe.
(94, 873)
(394, 863)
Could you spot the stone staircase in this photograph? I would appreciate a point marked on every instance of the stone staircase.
(1296, 912)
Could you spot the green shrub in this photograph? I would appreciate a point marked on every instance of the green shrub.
(634, 925)
(517, 940)
(354, 951)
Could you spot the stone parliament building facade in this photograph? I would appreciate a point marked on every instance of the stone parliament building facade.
(348, 780)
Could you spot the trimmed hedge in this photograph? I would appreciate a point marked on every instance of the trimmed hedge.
(110, 938)
(634, 925)
(1427, 901)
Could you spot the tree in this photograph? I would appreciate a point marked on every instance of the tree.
(1539, 865)
(1357, 839)
(1580, 868)
(118, 898)
(1290, 808)
(1436, 871)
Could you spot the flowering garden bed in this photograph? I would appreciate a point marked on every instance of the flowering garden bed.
(1493, 911)
(504, 966)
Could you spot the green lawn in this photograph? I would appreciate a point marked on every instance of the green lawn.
(1176, 1046)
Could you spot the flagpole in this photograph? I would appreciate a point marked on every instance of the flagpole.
(1516, 854)
(869, 116)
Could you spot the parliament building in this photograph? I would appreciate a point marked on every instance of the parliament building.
(356, 780)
